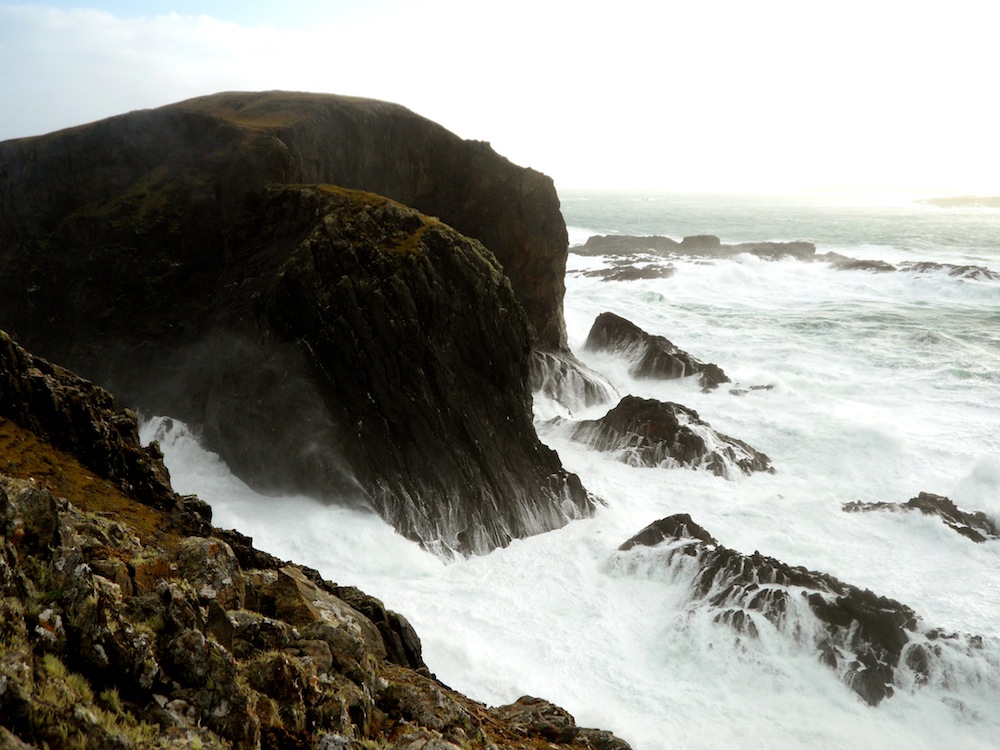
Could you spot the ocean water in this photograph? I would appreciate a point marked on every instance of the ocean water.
(882, 385)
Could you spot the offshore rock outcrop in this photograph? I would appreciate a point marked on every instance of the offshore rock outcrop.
(326, 341)
(119, 628)
(975, 525)
(875, 644)
(651, 356)
(703, 245)
(646, 432)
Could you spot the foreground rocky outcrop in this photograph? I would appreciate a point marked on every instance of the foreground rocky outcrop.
(975, 525)
(326, 341)
(646, 432)
(651, 356)
(873, 643)
(119, 627)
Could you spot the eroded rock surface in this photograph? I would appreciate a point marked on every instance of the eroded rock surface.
(651, 356)
(975, 525)
(647, 432)
(872, 642)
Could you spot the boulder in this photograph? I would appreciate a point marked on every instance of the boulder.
(646, 432)
(651, 356)
(975, 525)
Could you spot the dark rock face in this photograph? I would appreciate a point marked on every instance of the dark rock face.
(615, 244)
(653, 433)
(375, 357)
(976, 526)
(186, 168)
(655, 356)
(867, 639)
(361, 350)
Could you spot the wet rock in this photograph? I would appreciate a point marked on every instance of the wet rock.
(651, 356)
(646, 432)
(859, 634)
(976, 525)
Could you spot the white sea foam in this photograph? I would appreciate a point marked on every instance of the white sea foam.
(884, 385)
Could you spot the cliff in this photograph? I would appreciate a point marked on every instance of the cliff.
(182, 172)
(122, 625)
(328, 340)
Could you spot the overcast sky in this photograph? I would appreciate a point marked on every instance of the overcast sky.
(724, 95)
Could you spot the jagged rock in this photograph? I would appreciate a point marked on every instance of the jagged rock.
(646, 432)
(953, 270)
(165, 663)
(652, 356)
(79, 417)
(211, 567)
(976, 526)
(846, 263)
(864, 637)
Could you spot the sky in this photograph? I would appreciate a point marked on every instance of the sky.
(721, 96)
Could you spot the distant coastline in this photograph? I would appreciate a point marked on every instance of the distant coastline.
(964, 201)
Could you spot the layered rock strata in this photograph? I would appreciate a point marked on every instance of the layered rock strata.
(651, 356)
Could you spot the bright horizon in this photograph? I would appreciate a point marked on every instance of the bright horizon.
(765, 97)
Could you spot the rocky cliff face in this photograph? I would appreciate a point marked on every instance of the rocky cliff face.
(329, 341)
(186, 168)
(122, 626)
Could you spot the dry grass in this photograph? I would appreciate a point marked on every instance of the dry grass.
(26, 458)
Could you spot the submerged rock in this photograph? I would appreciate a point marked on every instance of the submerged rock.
(872, 642)
(976, 525)
(646, 432)
(651, 356)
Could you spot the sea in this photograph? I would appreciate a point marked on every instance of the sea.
(858, 384)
